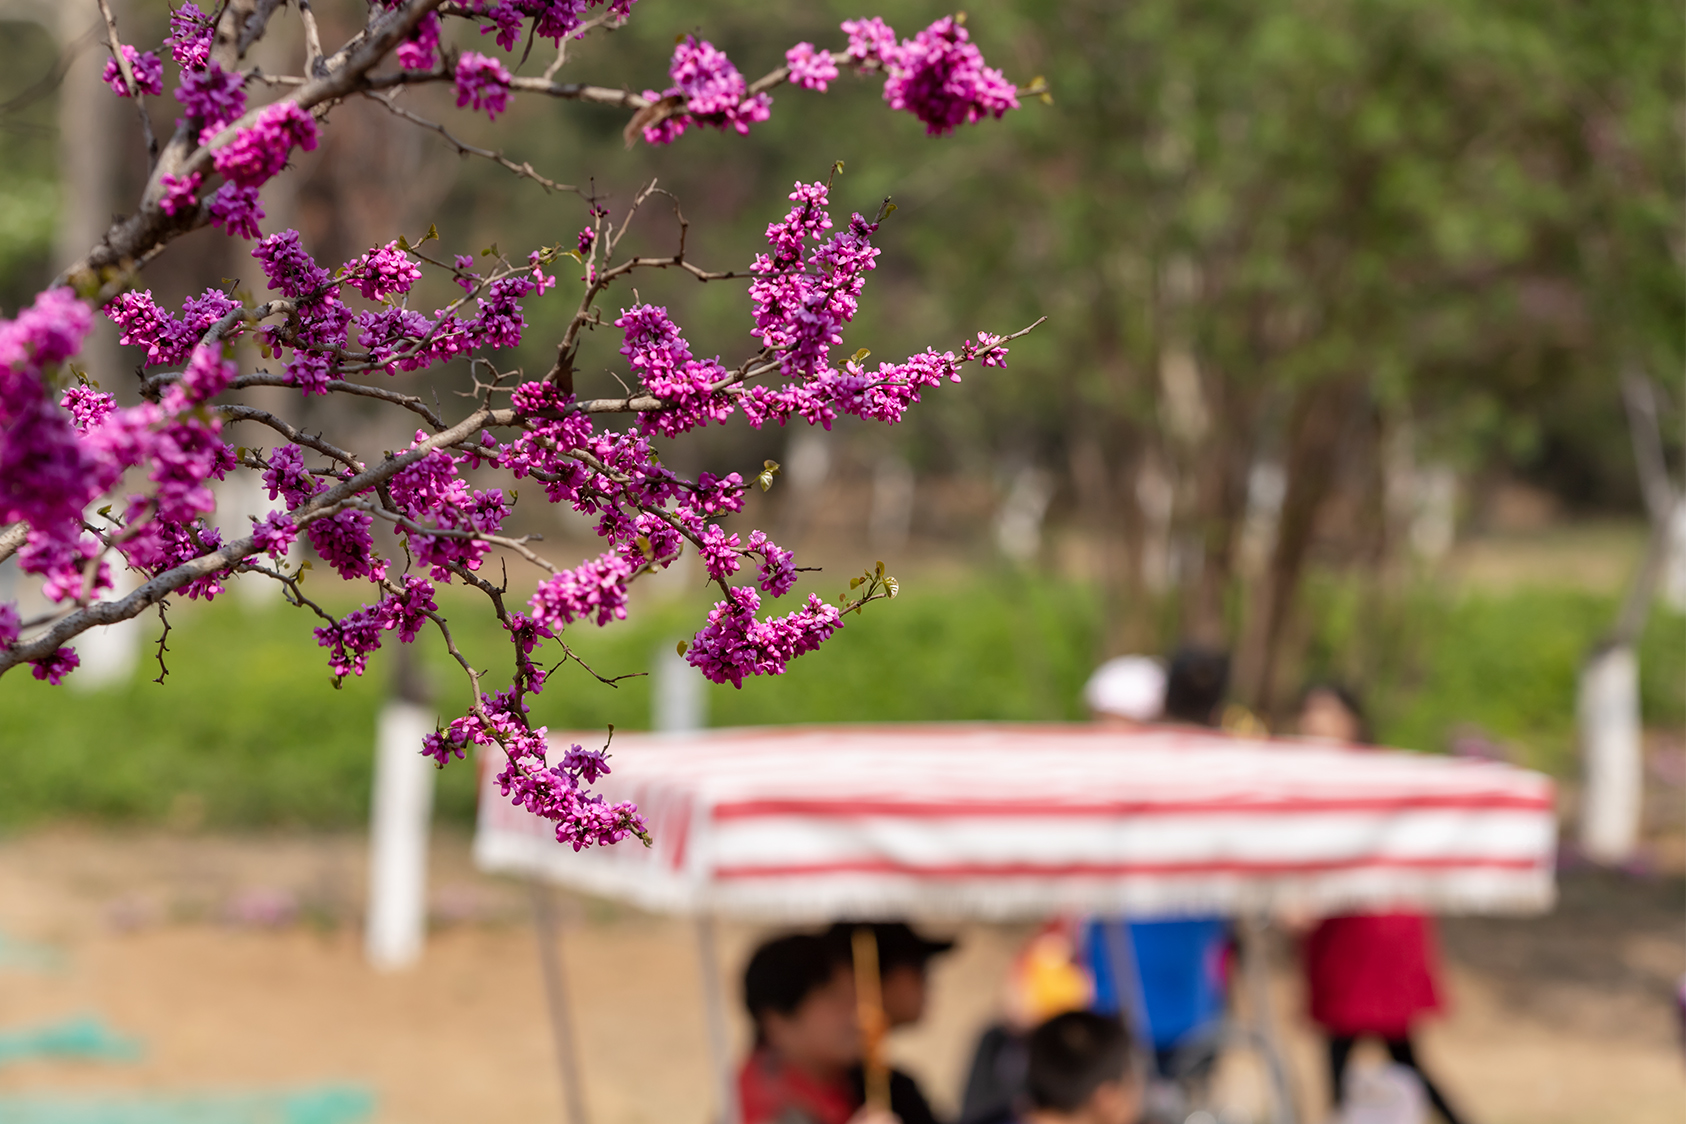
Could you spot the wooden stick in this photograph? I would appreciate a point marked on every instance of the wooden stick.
(869, 1003)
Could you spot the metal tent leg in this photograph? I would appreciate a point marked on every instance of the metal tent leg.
(556, 996)
(1120, 951)
(1255, 968)
(714, 1010)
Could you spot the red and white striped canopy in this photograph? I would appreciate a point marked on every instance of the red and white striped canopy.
(1001, 821)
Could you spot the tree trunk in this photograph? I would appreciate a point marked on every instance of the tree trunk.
(1315, 430)
(1608, 704)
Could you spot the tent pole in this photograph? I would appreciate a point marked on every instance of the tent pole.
(1120, 950)
(719, 1037)
(556, 996)
(1255, 966)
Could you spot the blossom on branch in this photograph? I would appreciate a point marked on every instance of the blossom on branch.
(65, 444)
(191, 32)
(714, 93)
(213, 96)
(257, 153)
(483, 83)
(939, 76)
(419, 50)
(810, 67)
(145, 66)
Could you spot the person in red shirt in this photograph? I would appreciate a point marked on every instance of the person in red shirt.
(801, 997)
(1367, 974)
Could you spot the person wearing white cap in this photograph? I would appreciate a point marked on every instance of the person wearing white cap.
(1128, 690)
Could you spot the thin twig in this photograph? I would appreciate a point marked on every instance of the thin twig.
(129, 83)
(517, 545)
(290, 432)
(164, 635)
(312, 41)
(463, 148)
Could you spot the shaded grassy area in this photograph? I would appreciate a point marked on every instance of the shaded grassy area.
(248, 730)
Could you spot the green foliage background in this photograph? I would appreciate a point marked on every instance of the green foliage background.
(249, 725)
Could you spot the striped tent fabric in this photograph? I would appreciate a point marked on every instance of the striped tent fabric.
(1006, 821)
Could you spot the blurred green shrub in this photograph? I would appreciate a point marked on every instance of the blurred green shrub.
(248, 731)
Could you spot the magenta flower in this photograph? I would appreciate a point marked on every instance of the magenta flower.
(810, 67)
(191, 32)
(381, 273)
(939, 76)
(236, 210)
(715, 93)
(483, 83)
(55, 667)
(274, 533)
(594, 590)
(257, 153)
(419, 50)
(871, 41)
(147, 69)
(214, 96)
(88, 407)
(181, 195)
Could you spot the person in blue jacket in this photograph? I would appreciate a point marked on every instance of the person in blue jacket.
(1178, 993)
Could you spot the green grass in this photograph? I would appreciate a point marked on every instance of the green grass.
(249, 730)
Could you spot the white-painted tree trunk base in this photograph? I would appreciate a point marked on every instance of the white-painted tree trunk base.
(1610, 748)
(398, 833)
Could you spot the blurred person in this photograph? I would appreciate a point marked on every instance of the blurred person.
(1046, 979)
(1195, 686)
(1367, 975)
(1181, 963)
(801, 998)
(904, 957)
(1079, 1072)
(1127, 691)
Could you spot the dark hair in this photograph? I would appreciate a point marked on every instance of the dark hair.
(1072, 1055)
(785, 971)
(1195, 685)
(1349, 699)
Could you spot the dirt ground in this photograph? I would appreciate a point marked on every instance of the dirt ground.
(237, 961)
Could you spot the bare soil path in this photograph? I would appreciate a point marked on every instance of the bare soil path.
(237, 961)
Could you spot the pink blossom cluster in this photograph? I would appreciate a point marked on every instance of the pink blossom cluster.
(714, 93)
(191, 32)
(810, 67)
(432, 491)
(552, 792)
(419, 50)
(259, 151)
(551, 19)
(734, 643)
(939, 76)
(483, 83)
(594, 590)
(661, 359)
(800, 300)
(145, 66)
(357, 635)
(382, 273)
(213, 96)
(54, 462)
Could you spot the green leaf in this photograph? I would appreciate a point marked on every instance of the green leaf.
(681, 647)
(861, 354)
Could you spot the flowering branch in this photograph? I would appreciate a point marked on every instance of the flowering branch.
(65, 444)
